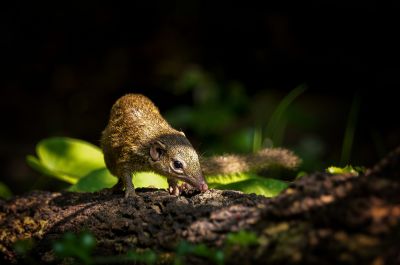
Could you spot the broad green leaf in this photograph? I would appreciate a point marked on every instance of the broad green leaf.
(95, 181)
(36, 164)
(149, 179)
(66, 158)
(72, 156)
(102, 178)
(260, 186)
(5, 192)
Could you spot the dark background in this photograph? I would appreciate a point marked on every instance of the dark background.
(64, 66)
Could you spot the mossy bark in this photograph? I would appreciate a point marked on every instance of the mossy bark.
(319, 219)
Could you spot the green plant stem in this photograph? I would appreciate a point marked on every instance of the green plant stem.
(274, 126)
(350, 130)
(257, 139)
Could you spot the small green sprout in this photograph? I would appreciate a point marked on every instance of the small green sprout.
(345, 170)
(79, 246)
(242, 238)
(185, 248)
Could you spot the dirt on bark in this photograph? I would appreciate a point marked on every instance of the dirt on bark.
(319, 219)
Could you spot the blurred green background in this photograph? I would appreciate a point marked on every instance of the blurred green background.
(234, 78)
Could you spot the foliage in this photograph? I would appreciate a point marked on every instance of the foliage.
(277, 123)
(247, 183)
(185, 248)
(242, 238)
(215, 108)
(301, 174)
(102, 178)
(96, 180)
(23, 247)
(82, 164)
(350, 130)
(345, 170)
(80, 247)
(66, 159)
(257, 122)
(211, 99)
(5, 192)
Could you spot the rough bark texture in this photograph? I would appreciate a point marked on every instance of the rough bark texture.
(319, 219)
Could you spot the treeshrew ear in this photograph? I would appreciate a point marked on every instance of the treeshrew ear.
(157, 149)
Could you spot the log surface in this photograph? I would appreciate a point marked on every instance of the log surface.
(319, 219)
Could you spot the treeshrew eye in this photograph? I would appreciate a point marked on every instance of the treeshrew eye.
(178, 164)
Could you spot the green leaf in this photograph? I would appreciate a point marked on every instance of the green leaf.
(247, 183)
(185, 248)
(87, 240)
(95, 181)
(102, 178)
(79, 246)
(34, 163)
(241, 140)
(147, 257)
(242, 238)
(149, 179)
(260, 186)
(67, 159)
(71, 156)
(344, 170)
(301, 174)
(277, 123)
(23, 246)
(215, 180)
(5, 192)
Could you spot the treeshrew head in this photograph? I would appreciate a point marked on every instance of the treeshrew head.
(174, 157)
